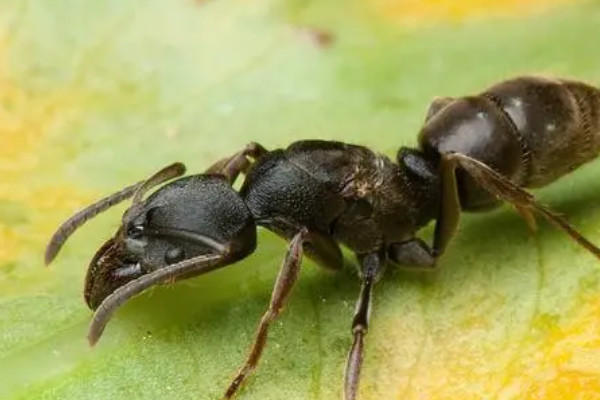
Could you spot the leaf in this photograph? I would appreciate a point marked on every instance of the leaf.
(97, 95)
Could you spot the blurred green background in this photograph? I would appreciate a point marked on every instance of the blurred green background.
(97, 95)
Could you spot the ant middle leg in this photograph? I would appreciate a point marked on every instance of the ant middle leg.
(412, 253)
(324, 251)
(288, 275)
(232, 166)
(372, 266)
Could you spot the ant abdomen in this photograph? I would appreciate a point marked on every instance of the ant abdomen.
(532, 130)
(558, 123)
(474, 126)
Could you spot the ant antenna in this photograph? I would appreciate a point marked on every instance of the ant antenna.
(137, 190)
(67, 228)
(167, 173)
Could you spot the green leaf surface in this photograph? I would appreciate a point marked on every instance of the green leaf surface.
(97, 95)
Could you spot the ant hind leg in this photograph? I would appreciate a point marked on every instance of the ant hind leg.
(504, 189)
(436, 105)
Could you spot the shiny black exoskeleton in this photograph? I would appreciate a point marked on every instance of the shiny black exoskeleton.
(473, 153)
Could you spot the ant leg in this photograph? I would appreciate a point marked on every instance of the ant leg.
(288, 275)
(528, 216)
(415, 252)
(232, 166)
(319, 247)
(504, 189)
(449, 212)
(324, 250)
(436, 105)
(371, 268)
(449, 207)
(412, 253)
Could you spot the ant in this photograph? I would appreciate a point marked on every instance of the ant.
(474, 153)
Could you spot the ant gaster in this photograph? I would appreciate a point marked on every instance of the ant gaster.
(474, 152)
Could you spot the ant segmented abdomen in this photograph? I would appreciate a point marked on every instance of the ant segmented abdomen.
(557, 121)
(587, 99)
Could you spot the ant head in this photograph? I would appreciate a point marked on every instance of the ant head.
(184, 219)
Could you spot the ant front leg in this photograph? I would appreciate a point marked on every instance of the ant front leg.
(371, 268)
(232, 166)
(318, 246)
(288, 275)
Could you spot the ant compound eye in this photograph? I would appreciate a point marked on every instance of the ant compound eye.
(174, 255)
(135, 231)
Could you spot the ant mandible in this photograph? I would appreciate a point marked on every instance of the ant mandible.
(474, 152)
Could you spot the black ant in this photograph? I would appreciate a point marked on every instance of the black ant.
(474, 152)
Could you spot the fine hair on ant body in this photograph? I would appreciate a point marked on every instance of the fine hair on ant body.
(474, 153)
